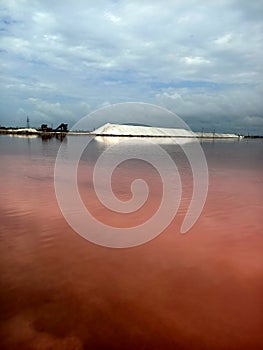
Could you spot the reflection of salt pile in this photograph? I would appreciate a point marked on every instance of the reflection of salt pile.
(147, 131)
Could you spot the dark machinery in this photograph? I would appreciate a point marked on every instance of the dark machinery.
(61, 128)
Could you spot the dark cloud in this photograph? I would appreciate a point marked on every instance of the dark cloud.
(250, 10)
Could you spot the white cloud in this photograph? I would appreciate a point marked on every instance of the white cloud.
(224, 39)
(48, 108)
(112, 18)
(43, 19)
(195, 60)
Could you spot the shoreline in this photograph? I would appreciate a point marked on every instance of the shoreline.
(199, 135)
(50, 134)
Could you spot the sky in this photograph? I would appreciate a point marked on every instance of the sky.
(201, 59)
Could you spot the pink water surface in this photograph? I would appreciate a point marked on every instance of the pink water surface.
(202, 290)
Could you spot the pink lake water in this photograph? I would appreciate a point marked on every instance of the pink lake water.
(202, 290)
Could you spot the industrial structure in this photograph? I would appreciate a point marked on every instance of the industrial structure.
(43, 131)
(61, 128)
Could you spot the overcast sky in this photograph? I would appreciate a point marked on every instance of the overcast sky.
(201, 59)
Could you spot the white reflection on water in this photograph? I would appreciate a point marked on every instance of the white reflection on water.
(110, 140)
